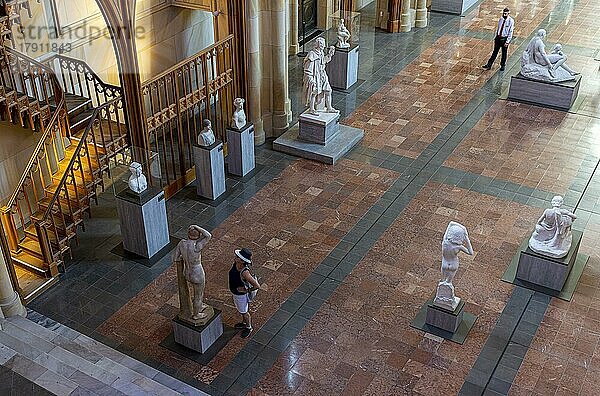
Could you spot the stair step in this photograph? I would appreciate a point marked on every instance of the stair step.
(76, 206)
(32, 247)
(31, 262)
(80, 121)
(76, 104)
(31, 232)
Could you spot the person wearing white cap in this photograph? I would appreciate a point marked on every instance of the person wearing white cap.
(241, 284)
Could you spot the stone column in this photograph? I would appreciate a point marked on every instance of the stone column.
(421, 20)
(254, 72)
(10, 303)
(279, 67)
(293, 50)
(405, 17)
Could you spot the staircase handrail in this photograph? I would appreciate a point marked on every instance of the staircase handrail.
(48, 128)
(82, 142)
(110, 90)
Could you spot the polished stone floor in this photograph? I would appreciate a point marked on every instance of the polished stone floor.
(349, 253)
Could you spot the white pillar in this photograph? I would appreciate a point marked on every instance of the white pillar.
(293, 11)
(421, 20)
(10, 303)
(279, 67)
(405, 16)
(254, 72)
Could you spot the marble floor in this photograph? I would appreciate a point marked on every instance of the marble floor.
(349, 253)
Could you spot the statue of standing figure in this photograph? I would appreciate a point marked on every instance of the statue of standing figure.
(456, 239)
(538, 65)
(343, 35)
(191, 279)
(552, 236)
(316, 82)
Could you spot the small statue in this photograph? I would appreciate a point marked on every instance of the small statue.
(316, 83)
(238, 120)
(456, 239)
(538, 65)
(343, 35)
(190, 276)
(137, 180)
(552, 236)
(206, 137)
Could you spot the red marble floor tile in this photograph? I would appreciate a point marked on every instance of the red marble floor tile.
(285, 249)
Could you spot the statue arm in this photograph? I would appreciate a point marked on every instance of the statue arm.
(329, 54)
(201, 242)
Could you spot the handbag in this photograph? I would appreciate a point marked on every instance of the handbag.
(251, 294)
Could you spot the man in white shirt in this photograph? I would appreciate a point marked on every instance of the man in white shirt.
(504, 32)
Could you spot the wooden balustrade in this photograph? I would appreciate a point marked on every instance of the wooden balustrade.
(178, 99)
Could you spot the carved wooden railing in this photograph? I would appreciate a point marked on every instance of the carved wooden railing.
(89, 160)
(12, 9)
(178, 99)
(50, 150)
(78, 79)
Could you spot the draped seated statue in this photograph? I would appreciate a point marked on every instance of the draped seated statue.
(552, 236)
(536, 64)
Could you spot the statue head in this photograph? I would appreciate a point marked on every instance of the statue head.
(238, 103)
(320, 43)
(135, 168)
(341, 22)
(193, 232)
(557, 48)
(541, 33)
(557, 201)
(455, 233)
(206, 124)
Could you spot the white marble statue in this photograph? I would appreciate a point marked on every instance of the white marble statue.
(137, 180)
(456, 239)
(316, 83)
(206, 137)
(238, 119)
(538, 65)
(552, 236)
(343, 35)
(191, 279)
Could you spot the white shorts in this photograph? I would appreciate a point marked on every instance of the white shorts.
(241, 303)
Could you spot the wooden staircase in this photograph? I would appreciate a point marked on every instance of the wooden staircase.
(82, 124)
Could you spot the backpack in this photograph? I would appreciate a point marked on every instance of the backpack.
(251, 294)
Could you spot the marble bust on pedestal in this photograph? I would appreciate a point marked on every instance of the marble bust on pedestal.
(343, 35)
(552, 236)
(456, 239)
(238, 119)
(191, 278)
(206, 137)
(137, 180)
(536, 64)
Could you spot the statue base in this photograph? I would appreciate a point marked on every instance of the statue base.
(555, 95)
(240, 150)
(444, 296)
(209, 313)
(443, 318)
(547, 271)
(210, 170)
(456, 7)
(343, 68)
(319, 128)
(198, 338)
(339, 145)
(143, 221)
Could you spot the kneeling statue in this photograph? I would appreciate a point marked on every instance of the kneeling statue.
(552, 236)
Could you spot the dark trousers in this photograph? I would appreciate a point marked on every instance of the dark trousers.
(499, 43)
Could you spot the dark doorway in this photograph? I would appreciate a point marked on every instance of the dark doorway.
(307, 20)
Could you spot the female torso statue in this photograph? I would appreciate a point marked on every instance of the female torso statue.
(190, 275)
(538, 65)
(552, 236)
(206, 137)
(238, 119)
(456, 239)
(137, 180)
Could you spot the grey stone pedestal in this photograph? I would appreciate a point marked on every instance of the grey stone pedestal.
(210, 170)
(143, 220)
(240, 150)
(443, 318)
(198, 338)
(546, 271)
(318, 129)
(343, 68)
(456, 7)
(559, 95)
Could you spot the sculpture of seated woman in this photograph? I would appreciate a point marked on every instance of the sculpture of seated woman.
(206, 137)
(343, 35)
(137, 180)
(552, 236)
(456, 239)
(538, 65)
